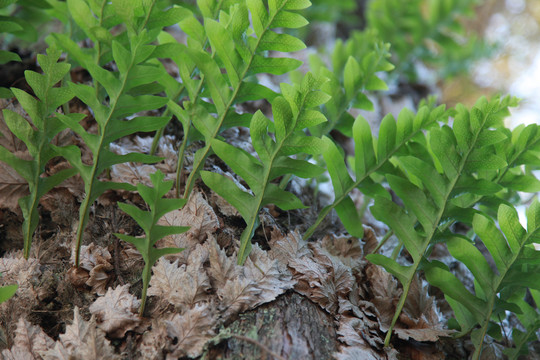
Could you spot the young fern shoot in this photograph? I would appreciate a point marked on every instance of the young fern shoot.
(292, 113)
(46, 125)
(147, 220)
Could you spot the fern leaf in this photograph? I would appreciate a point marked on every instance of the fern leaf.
(368, 161)
(511, 250)
(241, 56)
(356, 67)
(456, 159)
(131, 65)
(159, 206)
(273, 160)
(38, 137)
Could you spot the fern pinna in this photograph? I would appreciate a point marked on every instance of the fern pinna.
(114, 95)
(292, 112)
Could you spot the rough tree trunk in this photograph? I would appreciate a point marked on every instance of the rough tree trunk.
(292, 327)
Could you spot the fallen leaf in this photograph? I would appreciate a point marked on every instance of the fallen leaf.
(420, 317)
(182, 286)
(370, 240)
(356, 353)
(384, 291)
(12, 187)
(116, 312)
(196, 214)
(265, 272)
(81, 341)
(96, 261)
(135, 173)
(154, 341)
(237, 295)
(342, 246)
(29, 342)
(322, 278)
(189, 332)
(222, 267)
(286, 248)
(15, 268)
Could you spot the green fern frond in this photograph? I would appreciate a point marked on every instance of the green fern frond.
(147, 220)
(135, 69)
(292, 114)
(372, 156)
(243, 52)
(515, 260)
(431, 185)
(38, 136)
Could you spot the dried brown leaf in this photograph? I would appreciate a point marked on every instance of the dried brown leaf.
(196, 214)
(222, 267)
(96, 260)
(154, 341)
(422, 335)
(15, 268)
(322, 278)
(286, 248)
(182, 286)
(237, 295)
(420, 316)
(385, 293)
(92, 255)
(370, 240)
(349, 331)
(356, 353)
(130, 257)
(82, 340)
(135, 173)
(189, 332)
(265, 272)
(342, 246)
(30, 341)
(116, 312)
(99, 279)
(12, 187)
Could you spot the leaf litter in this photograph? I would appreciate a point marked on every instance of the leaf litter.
(196, 293)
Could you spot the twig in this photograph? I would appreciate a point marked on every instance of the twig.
(117, 254)
(263, 347)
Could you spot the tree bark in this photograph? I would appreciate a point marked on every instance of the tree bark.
(291, 327)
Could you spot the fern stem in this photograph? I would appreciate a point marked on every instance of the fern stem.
(397, 251)
(180, 163)
(98, 45)
(146, 281)
(383, 241)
